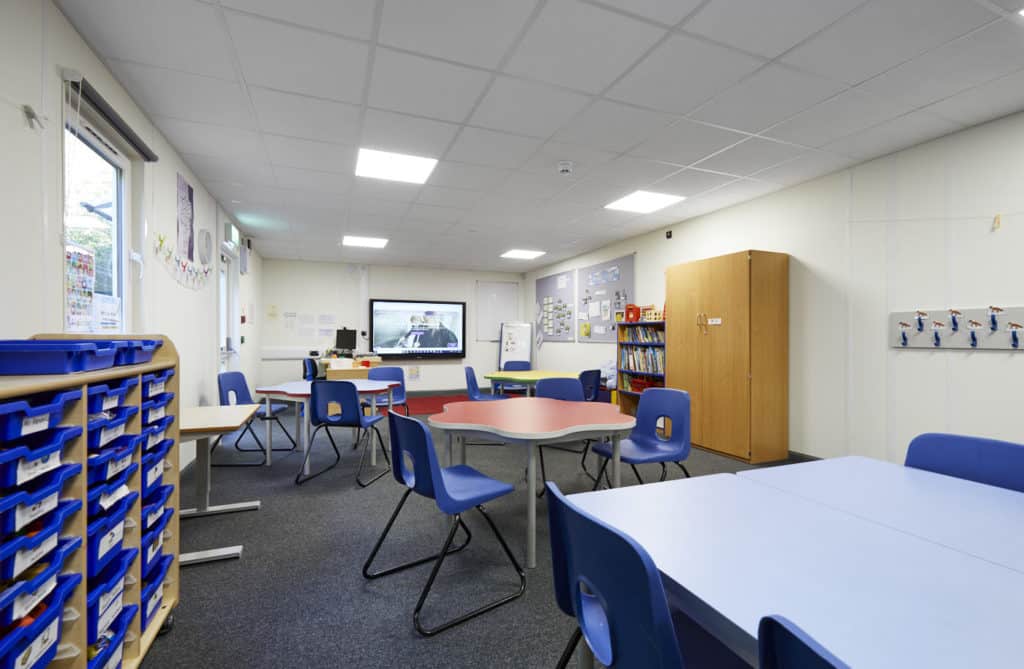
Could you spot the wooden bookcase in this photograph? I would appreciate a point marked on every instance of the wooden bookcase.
(640, 360)
(72, 651)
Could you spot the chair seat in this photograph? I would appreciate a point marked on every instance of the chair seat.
(382, 401)
(275, 408)
(635, 454)
(364, 421)
(469, 488)
(488, 398)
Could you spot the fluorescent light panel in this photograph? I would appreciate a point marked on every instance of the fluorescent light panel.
(394, 166)
(368, 242)
(644, 202)
(522, 254)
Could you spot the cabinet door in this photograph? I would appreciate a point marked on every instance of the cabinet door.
(727, 359)
(684, 336)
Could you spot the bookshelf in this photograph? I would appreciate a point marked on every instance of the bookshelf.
(640, 360)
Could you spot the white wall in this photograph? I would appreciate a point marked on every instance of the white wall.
(343, 289)
(906, 231)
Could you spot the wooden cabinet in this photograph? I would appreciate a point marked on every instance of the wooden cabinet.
(727, 336)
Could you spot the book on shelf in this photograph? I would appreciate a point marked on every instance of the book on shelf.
(644, 334)
(649, 360)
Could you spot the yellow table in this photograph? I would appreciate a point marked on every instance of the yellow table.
(529, 377)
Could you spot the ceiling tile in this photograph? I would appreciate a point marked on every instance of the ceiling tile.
(885, 33)
(313, 180)
(231, 170)
(986, 102)
(736, 192)
(691, 182)
(751, 156)
(682, 73)
(496, 149)
(603, 46)
(361, 204)
(385, 190)
(584, 159)
(353, 18)
(613, 126)
(531, 186)
(150, 31)
(212, 140)
(389, 131)
(306, 117)
(297, 60)
(448, 197)
(770, 95)
(633, 171)
(805, 167)
(837, 117)
(766, 28)
(473, 177)
(476, 32)
(686, 142)
(526, 108)
(424, 87)
(669, 12)
(433, 214)
(984, 55)
(311, 155)
(1010, 5)
(894, 135)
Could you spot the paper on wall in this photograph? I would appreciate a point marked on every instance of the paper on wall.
(562, 281)
(606, 310)
(594, 309)
(272, 311)
(306, 332)
(325, 332)
(326, 319)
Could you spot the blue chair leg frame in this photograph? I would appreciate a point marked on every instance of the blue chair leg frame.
(299, 478)
(664, 473)
(366, 449)
(570, 648)
(259, 449)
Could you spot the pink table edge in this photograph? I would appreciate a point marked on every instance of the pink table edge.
(622, 422)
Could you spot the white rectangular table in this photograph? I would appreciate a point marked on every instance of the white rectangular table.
(731, 551)
(966, 516)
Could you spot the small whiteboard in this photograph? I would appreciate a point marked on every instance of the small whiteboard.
(516, 343)
(496, 302)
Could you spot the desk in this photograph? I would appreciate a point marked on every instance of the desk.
(299, 392)
(962, 515)
(531, 421)
(203, 424)
(528, 377)
(348, 374)
(731, 551)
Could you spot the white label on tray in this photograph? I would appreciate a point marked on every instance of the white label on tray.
(155, 439)
(154, 602)
(111, 402)
(40, 645)
(110, 615)
(117, 592)
(33, 424)
(119, 465)
(26, 513)
(109, 499)
(115, 658)
(111, 539)
(24, 559)
(154, 548)
(154, 473)
(156, 387)
(157, 413)
(155, 516)
(29, 469)
(108, 434)
(23, 604)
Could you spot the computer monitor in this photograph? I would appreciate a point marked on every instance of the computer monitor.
(345, 340)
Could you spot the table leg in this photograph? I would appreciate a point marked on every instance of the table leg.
(202, 475)
(268, 433)
(451, 448)
(373, 451)
(462, 449)
(306, 429)
(298, 422)
(531, 505)
(616, 461)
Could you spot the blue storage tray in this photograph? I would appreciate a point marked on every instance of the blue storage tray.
(153, 544)
(113, 459)
(106, 534)
(105, 600)
(19, 509)
(155, 383)
(105, 396)
(20, 418)
(153, 590)
(103, 430)
(153, 467)
(113, 653)
(21, 552)
(99, 496)
(36, 645)
(153, 506)
(155, 408)
(138, 351)
(54, 356)
(22, 596)
(156, 433)
(31, 457)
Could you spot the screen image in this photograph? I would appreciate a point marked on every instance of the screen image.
(406, 328)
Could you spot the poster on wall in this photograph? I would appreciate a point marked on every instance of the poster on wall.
(186, 219)
(555, 297)
(79, 287)
(186, 257)
(604, 290)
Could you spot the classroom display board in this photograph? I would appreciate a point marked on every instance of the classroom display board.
(516, 343)
(497, 302)
(604, 291)
(555, 295)
(981, 328)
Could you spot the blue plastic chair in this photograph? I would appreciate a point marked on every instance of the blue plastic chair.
(783, 645)
(397, 394)
(232, 388)
(512, 366)
(988, 461)
(567, 390)
(591, 380)
(644, 445)
(343, 394)
(309, 369)
(455, 490)
(473, 390)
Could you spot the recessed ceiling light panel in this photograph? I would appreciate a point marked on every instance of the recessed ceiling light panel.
(522, 254)
(368, 242)
(644, 202)
(394, 166)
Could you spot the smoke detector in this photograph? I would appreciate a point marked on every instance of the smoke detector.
(565, 167)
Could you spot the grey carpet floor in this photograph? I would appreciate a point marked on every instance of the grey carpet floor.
(297, 597)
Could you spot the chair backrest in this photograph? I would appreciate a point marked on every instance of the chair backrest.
(783, 645)
(515, 366)
(989, 461)
(229, 383)
(341, 393)
(591, 380)
(390, 374)
(669, 403)
(472, 389)
(308, 369)
(411, 438)
(570, 390)
(615, 590)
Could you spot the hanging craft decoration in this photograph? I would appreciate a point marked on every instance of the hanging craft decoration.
(180, 260)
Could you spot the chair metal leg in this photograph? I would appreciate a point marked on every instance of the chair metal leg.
(570, 648)
(402, 567)
(664, 472)
(366, 449)
(683, 467)
(583, 460)
(281, 425)
(248, 428)
(543, 472)
(637, 474)
(216, 443)
(299, 479)
(597, 481)
(437, 567)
